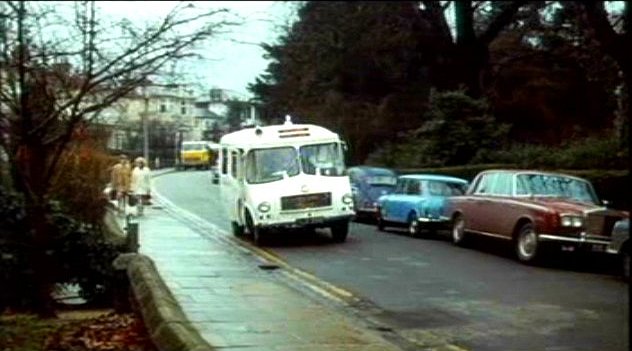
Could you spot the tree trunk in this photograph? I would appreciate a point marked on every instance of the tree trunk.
(627, 109)
(473, 71)
(41, 260)
(32, 178)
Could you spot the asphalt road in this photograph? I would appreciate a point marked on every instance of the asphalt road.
(478, 298)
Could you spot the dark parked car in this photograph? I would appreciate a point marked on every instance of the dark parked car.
(531, 209)
(620, 245)
(367, 185)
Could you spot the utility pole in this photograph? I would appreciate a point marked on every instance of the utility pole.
(145, 127)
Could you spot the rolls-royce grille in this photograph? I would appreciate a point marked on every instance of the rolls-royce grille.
(600, 224)
(299, 202)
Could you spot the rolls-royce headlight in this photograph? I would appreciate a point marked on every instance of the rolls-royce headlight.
(577, 222)
(264, 207)
(347, 199)
(572, 221)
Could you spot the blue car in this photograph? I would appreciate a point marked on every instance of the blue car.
(367, 185)
(418, 202)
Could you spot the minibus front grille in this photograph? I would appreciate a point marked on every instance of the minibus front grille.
(299, 202)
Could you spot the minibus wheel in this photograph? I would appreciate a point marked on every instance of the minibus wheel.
(256, 232)
(258, 236)
(339, 231)
(238, 230)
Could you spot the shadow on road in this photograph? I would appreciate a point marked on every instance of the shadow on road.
(297, 238)
(581, 262)
(365, 220)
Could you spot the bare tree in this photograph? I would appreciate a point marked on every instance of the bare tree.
(56, 75)
(467, 52)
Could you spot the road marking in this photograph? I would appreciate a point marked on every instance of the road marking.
(308, 280)
(314, 283)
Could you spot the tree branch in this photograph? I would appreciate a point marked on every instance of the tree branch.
(605, 33)
(501, 21)
(436, 12)
(464, 15)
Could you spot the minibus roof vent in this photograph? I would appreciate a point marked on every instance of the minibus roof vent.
(288, 120)
(294, 132)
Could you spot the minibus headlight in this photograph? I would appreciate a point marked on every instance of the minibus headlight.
(347, 199)
(264, 207)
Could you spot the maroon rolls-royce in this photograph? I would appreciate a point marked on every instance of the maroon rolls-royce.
(532, 209)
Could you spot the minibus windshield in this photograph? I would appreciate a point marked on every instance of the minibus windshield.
(269, 165)
(322, 159)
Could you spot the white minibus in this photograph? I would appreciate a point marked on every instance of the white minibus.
(285, 176)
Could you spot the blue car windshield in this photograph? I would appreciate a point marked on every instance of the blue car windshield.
(381, 180)
(440, 188)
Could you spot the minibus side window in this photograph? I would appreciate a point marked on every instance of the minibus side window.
(233, 163)
(224, 160)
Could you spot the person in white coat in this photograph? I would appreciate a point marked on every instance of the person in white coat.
(140, 185)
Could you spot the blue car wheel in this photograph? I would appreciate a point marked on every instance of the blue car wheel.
(380, 221)
(413, 225)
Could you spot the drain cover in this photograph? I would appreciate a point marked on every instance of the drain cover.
(268, 266)
(384, 329)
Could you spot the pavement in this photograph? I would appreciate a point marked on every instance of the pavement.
(235, 300)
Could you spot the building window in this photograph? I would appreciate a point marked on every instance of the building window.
(163, 107)
(216, 95)
(183, 110)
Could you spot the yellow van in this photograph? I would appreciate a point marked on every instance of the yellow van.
(196, 154)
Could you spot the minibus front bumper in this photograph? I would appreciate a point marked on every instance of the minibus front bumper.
(312, 221)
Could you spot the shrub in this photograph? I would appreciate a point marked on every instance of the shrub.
(597, 152)
(84, 173)
(15, 277)
(456, 127)
(85, 256)
(80, 252)
(467, 172)
(411, 152)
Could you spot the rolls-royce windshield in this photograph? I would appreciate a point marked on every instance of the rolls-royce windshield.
(555, 186)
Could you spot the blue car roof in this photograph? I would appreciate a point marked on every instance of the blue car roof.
(434, 177)
(374, 170)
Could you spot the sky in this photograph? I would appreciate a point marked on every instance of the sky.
(231, 61)
(235, 59)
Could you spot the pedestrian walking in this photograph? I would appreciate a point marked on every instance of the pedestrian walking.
(141, 184)
(120, 181)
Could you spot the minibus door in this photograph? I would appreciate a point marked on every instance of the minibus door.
(234, 186)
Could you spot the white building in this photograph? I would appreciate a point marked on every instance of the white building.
(172, 105)
(211, 111)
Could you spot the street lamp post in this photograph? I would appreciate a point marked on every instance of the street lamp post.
(179, 137)
(145, 127)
